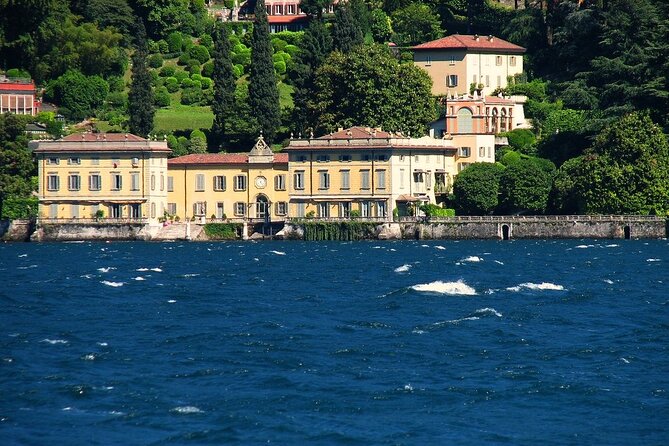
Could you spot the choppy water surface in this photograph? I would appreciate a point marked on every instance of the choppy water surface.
(523, 343)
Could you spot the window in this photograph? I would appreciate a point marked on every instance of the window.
(323, 158)
(401, 178)
(278, 9)
(465, 152)
(499, 81)
(487, 80)
(290, 9)
(418, 176)
(381, 179)
(416, 158)
(300, 210)
(323, 179)
(280, 182)
(162, 182)
(134, 181)
(498, 60)
(115, 211)
(94, 181)
(366, 157)
(465, 121)
(240, 209)
(381, 209)
(74, 210)
(345, 158)
(153, 182)
(452, 80)
(345, 179)
(200, 208)
(135, 210)
(428, 178)
(345, 209)
(428, 61)
(281, 208)
(73, 181)
(301, 158)
(451, 60)
(199, 182)
(474, 80)
(365, 209)
(170, 184)
(95, 161)
(364, 179)
(324, 209)
(219, 183)
(240, 182)
(135, 162)
(298, 180)
(482, 152)
(74, 161)
(52, 160)
(116, 181)
(512, 61)
(172, 208)
(52, 182)
(220, 210)
(53, 210)
(382, 157)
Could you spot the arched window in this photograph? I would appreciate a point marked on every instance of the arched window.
(464, 120)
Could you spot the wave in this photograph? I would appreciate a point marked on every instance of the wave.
(439, 247)
(142, 269)
(403, 269)
(497, 261)
(27, 267)
(55, 341)
(106, 269)
(584, 246)
(279, 253)
(139, 278)
(487, 310)
(89, 357)
(171, 301)
(454, 288)
(187, 409)
(543, 286)
(472, 259)
(114, 284)
(23, 255)
(158, 270)
(652, 260)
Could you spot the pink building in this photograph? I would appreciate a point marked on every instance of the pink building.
(18, 96)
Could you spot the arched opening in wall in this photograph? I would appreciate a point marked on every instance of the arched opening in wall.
(495, 121)
(503, 122)
(262, 206)
(628, 232)
(465, 121)
(506, 232)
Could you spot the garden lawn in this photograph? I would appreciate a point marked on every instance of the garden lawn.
(183, 117)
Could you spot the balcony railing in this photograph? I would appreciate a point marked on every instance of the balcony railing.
(94, 221)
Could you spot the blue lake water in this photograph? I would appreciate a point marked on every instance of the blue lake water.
(478, 342)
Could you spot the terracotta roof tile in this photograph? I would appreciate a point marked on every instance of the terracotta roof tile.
(471, 42)
(358, 133)
(92, 137)
(219, 158)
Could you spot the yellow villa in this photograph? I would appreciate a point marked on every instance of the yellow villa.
(368, 172)
(112, 176)
(234, 186)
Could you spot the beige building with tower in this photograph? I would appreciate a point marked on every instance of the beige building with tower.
(456, 62)
(214, 187)
(102, 176)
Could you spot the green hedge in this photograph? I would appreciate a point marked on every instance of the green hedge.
(19, 208)
(345, 230)
(222, 231)
(432, 210)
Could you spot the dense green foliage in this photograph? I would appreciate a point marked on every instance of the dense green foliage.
(223, 231)
(345, 230)
(476, 189)
(19, 208)
(432, 210)
(140, 98)
(224, 86)
(346, 31)
(524, 187)
(77, 94)
(16, 164)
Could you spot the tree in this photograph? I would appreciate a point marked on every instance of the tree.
(198, 142)
(563, 198)
(346, 32)
(524, 187)
(263, 91)
(16, 164)
(314, 8)
(627, 169)
(476, 189)
(369, 87)
(78, 95)
(380, 26)
(415, 24)
(140, 97)
(224, 86)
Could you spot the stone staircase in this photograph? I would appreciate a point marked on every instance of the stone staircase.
(177, 231)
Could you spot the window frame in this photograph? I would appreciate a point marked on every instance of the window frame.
(219, 183)
(240, 183)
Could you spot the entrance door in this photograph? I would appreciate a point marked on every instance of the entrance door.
(115, 210)
(262, 206)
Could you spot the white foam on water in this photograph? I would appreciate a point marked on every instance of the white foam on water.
(256, 259)
(543, 286)
(472, 259)
(87, 276)
(191, 275)
(279, 253)
(113, 284)
(584, 246)
(418, 331)
(440, 247)
(392, 249)
(626, 361)
(612, 246)
(27, 267)
(403, 269)
(115, 412)
(497, 261)
(453, 288)
(55, 341)
(609, 281)
(102, 344)
(408, 387)
(23, 255)
(140, 278)
(376, 247)
(8, 360)
(158, 270)
(89, 357)
(171, 301)
(142, 269)
(489, 311)
(186, 409)
(106, 269)
(67, 408)
(652, 260)
(424, 246)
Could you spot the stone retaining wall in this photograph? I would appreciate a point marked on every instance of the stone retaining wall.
(90, 231)
(16, 230)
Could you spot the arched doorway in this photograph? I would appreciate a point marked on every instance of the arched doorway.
(506, 232)
(465, 121)
(628, 232)
(262, 206)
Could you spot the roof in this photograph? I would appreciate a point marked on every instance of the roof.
(92, 137)
(10, 86)
(471, 43)
(278, 19)
(101, 142)
(358, 132)
(220, 158)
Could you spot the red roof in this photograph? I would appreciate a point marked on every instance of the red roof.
(14, 85)
(93, 137)
(471, 43)
(220, 158)
(358, 133)
(279, 19)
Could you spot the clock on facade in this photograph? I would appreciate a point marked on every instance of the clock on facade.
(261, 182)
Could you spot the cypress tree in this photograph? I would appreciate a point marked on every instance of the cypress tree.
(346, 32)
(224, 87)
(263, 91)
(140, 97)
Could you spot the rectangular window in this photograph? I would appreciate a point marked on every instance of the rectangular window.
(418, 177)
(74, 182)
(345, 158)
(428, 178)
(153, 182)
(199, 182)
(280, 182)
(381, 179)
(323, 158)
(240, 209)
(74, 210)
(381, 209)
(428, 61)
(323, 179)
(172, 208)
(512, 61)
(481, 152)
(220, 212)
(240, 182)
(116, 181)
(300, 210)
(364, 179)
(498, 60)
(162, 182)
(366, 157)
(53, 210)
(382, 157)
(170, 184)
(298, 180)
(200, 208)
(465, 152)
(487, 80)
(74, 161)
(134, 181)
(345, 179)
(52, 160)
(301, 158)
(365, 209)
(219, 183)
(452, 80)
(139, 210)
(281, 208)
(499, 81)
(94, 181)
(474, 81)
(451, 60)
(401, 178)
(324, 210)
(290, 9)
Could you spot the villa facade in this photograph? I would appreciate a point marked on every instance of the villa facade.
(18, 97)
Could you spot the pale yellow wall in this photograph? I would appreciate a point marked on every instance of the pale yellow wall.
(492, 70)
(88, 201)
(482, 149)
(184, 194)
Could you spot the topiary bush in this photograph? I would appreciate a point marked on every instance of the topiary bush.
(207, 69)
(172, 84)
(174, 42)
(161, 97)
(167, 71)
(191, 96)
(155, 61)
(200, 53)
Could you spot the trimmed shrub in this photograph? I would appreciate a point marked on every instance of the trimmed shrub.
(184, 59)
(163, 47)
(280, 67)
(193, 66)
(292, 50)
(279, 44)
(207, 42)
(196, 76)
(222, 231)
(242, 58)
(200, 53)
(19, 208)
(238, 70)
(153, 46)
(187, 83)
(180, 75)
(207, 82)
(16, 73)
(172, 84)
(174, 42)
(167, 71)
(161, 97)
(191, 96)
(155, 61)
(207, 69)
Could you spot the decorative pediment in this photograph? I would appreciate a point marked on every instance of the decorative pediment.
(261, 152)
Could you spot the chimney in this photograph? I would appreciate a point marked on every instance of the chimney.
(476, 37)
(490, 38)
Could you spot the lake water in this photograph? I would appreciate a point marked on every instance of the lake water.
(409, 342)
